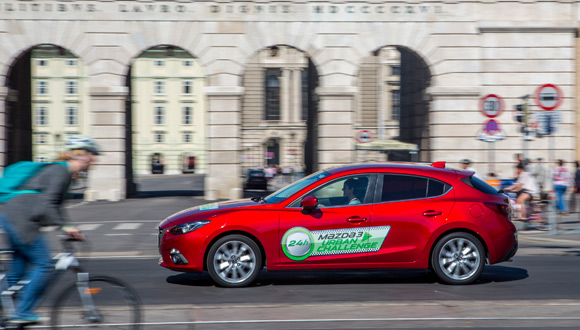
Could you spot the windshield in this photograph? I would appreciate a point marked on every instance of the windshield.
(282, 194)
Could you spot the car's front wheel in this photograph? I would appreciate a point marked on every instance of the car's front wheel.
(458, 258)
(234, 261)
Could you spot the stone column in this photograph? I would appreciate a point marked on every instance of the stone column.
(107, 179)
(224, 142)
(285, 84)
(336, 135)
(297, 95)
(3, 124)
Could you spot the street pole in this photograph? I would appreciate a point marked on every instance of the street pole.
(525, 128)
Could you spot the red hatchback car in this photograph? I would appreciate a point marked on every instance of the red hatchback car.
(368, 216)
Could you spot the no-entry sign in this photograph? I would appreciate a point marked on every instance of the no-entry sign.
(491, 105)
(548, 96)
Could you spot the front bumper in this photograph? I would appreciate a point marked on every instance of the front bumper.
(183, 253)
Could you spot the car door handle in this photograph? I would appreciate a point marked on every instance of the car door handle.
(431, 213)
(356, 219)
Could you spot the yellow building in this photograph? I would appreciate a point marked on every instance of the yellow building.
(168, 112)
(59, 100)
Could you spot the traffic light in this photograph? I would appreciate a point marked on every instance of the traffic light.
(520, 112)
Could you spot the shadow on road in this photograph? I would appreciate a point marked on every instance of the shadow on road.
(490, 274)
(167, 193)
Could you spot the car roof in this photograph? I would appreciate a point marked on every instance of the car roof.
(411, 168)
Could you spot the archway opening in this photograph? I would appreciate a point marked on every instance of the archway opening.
(166, 116)
(394, 106)
(279, 111)
(47, 102)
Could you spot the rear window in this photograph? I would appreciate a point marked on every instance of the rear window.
(480, 185)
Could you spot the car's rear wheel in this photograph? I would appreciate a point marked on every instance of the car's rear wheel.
(234, 261)
(458, 258)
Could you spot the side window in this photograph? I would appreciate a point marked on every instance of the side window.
(403, 187)
(351, 190)
(406, 187)
(437, 188)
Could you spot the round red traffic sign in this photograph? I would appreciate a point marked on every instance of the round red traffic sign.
(364, 136)
(491, 105)
(548, 96)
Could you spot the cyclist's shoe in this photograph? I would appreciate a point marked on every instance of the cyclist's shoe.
(30, 319)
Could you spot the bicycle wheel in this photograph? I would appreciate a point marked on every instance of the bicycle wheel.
(117, 306)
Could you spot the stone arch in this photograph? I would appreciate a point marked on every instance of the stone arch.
(20, 96)
(288, 112)
(165, 110)
(393, 102)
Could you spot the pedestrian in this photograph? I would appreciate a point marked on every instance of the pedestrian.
(466, 165)
(26, 213)
(576, 189)
(561, 179)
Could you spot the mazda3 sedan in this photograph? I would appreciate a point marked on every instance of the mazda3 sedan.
(367, 216)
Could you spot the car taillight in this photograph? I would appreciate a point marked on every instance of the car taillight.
(498, 207)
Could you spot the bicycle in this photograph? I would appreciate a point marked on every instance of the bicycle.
(537, 214)
(90, 301)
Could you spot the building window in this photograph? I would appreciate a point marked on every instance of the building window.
(187, 138)
(159, 87)
(187, 63)
(159, 116)
(187, 116)
(41, 118)
(272, 101)
(71, 62)
(71, 87)
(41, 62)
(71, 116)
(187, 87)
(40, 139)
(158, 138)
(395, 70)
(42, 87)
(159, 63)
(304, 81)
(396, 101)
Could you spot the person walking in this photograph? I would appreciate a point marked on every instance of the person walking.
(540, 173)
(466, 165)
(561, 180)
(576, 189)
(27, 213)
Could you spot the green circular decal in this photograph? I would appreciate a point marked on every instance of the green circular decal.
(297, 243)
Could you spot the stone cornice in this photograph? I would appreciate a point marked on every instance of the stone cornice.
(224, 91)
(336, 90)
(109, 91)
(527, 27)
(454, 91)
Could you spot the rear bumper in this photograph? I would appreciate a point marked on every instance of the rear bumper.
(511, 252)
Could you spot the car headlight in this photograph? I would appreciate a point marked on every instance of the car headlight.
(188, 227)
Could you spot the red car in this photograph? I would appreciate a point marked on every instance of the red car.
(369, 216)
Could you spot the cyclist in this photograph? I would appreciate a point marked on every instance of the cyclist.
(27, 213)
(525, 187)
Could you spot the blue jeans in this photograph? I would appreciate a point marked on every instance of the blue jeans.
(561, 202)
(30, 262)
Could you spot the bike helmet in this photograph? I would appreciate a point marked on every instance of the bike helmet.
(78, 142)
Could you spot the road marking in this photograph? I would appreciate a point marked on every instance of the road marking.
(120, 234)
(128, 226)
(89, 226)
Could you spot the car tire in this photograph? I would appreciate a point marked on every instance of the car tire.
(458, 258)
(234, 261)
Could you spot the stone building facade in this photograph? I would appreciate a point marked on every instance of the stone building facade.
(452, 54)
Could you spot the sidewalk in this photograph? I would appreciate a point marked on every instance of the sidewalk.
(564, 241)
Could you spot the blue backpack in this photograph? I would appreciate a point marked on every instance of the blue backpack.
(16, 175)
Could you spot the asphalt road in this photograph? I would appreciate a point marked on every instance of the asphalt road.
(530, 292)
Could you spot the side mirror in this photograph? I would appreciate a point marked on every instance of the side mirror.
(309, 203)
